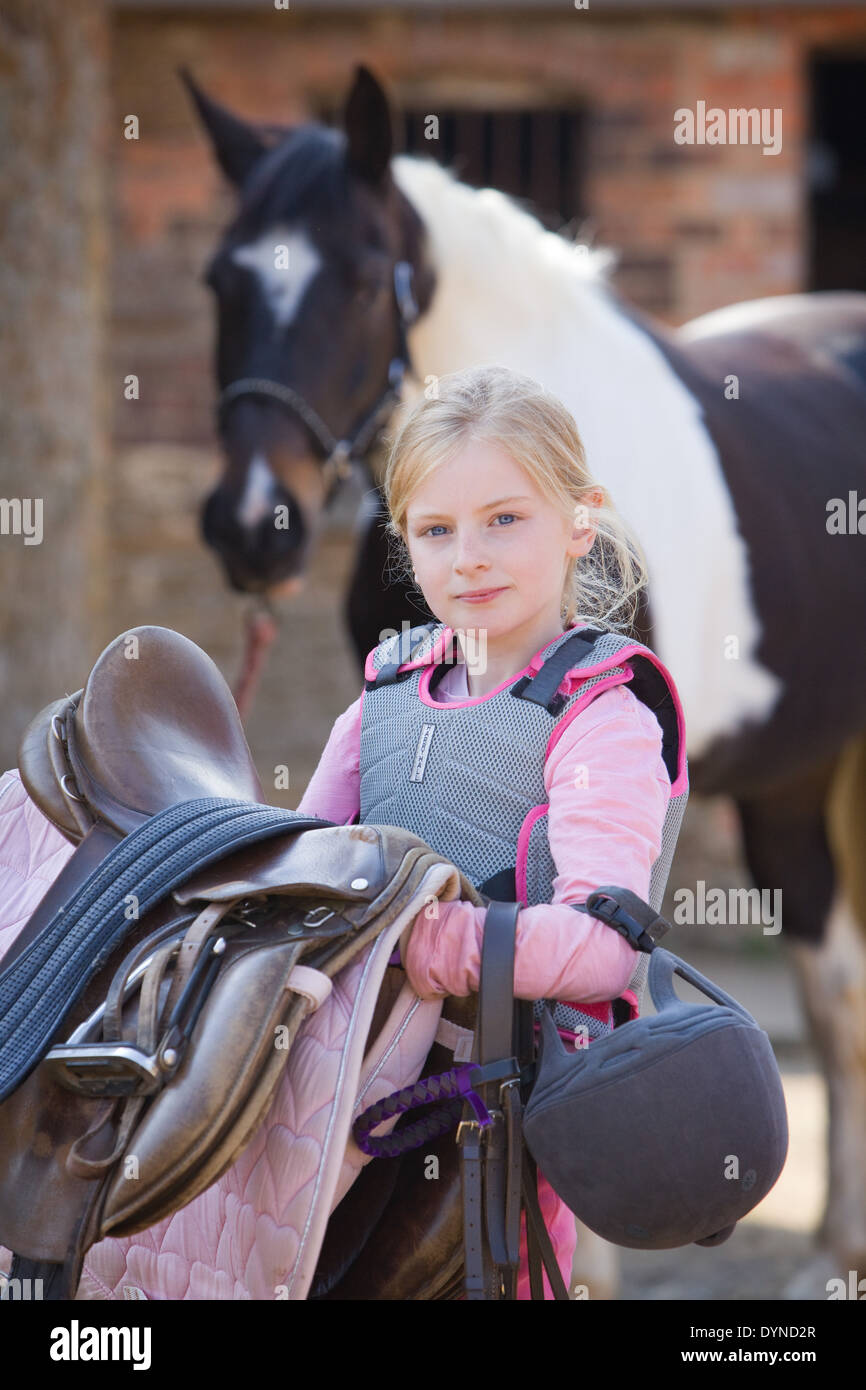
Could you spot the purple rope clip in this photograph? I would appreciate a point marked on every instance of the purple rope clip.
(448, 1086)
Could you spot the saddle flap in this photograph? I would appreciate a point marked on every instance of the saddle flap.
(334, 861)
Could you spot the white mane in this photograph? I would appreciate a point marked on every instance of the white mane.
(477, 237)
(514, 231)
(512, 292)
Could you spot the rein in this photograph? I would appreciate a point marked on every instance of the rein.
(340, 454)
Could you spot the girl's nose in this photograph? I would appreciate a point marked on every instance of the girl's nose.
(469, 553)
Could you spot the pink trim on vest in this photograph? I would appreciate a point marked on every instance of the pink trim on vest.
(435, 656)
(631, 999)
(523, 849)
(681, 781)
(618, 678)
(427, 698)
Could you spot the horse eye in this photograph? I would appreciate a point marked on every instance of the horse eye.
(369, 288)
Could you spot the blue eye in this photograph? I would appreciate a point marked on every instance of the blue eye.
(438, 526)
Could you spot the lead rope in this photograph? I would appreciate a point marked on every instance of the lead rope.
(260, 633)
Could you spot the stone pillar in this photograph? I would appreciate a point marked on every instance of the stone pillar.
(53, 408)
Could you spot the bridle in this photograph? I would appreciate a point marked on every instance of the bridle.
(341, 455)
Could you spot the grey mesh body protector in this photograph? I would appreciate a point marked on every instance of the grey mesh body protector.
(469, 778)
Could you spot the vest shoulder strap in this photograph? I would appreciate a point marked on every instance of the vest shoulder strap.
(402, 650)
(597, 651)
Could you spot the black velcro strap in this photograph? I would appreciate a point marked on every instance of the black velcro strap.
(650, 686)
(409, 645)
(541, 688)
(628, 914)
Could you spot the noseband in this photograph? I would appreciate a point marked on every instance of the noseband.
(340, 455)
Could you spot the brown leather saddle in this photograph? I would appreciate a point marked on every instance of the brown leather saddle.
(139, 1004)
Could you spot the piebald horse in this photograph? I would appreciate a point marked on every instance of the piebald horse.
(734, 446)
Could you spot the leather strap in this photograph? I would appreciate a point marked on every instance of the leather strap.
(538, 1244)
(476, 1273)
(496, 984)
(112, 1019)
(192, 947)
(311, 984)
(128, 1108)
(496, 1042)
(513, 1109)
(488, 1157)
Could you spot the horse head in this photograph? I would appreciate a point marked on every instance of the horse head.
(317, 279)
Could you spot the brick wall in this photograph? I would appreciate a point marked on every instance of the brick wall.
(697, 226)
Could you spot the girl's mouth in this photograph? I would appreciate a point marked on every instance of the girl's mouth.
(481, 595)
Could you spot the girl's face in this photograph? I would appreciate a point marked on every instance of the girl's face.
(480, 523)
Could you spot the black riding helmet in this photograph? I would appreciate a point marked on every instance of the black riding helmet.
(672, 1127)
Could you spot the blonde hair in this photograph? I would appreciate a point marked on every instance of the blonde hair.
(515, 412)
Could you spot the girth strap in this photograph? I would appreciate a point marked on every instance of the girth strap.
(628, 914)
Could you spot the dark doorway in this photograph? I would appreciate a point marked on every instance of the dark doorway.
(532, 155)
(535, 155)
(837, 174)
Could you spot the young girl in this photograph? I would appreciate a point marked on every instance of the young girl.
(511, 543)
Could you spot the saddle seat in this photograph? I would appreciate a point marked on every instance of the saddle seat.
(155, 725)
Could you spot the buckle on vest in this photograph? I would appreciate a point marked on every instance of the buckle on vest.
(607, 909)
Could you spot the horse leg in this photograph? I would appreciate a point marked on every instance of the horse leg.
(789, 845)
(595, 1269)
(833, 985)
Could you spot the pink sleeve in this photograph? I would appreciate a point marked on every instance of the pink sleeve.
(333, 791)
(608, 792)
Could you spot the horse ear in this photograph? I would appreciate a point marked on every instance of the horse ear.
(237, 146)
(367, 123)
